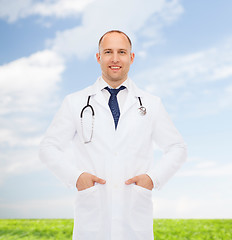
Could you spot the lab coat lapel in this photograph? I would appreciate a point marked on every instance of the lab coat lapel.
(96, 93)
(99, 98)
(130, 101)
(133, 93)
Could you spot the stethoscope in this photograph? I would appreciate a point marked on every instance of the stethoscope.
(142, 111)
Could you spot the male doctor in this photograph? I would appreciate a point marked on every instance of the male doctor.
(112, 126)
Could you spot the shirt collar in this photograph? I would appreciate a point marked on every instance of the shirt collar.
(103, 84)
(100, 84)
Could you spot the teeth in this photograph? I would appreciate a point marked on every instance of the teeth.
(115, 67)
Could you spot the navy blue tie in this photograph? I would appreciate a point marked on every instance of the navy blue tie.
(113, 103)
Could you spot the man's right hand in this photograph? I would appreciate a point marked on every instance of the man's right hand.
(87, 180)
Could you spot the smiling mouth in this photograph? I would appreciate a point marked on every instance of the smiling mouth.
(114, 67)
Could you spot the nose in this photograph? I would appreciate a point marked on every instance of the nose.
(115, 58)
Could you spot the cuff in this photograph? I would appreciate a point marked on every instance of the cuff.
(155, 181)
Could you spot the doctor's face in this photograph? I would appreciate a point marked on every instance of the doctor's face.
(115, 58)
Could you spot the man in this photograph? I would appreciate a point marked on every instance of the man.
(113, 125)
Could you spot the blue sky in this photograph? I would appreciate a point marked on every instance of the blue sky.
(183, 54)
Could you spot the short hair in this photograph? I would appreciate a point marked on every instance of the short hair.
(112, 31)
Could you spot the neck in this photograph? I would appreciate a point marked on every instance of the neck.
(114, 84)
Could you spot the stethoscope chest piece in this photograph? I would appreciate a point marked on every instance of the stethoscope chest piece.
(142, 111)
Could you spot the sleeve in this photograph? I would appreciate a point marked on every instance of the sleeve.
(166, 136)
(52, 147)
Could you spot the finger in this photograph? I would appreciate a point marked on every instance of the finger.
(98, 180)
(131, 180)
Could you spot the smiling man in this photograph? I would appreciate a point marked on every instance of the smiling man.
(113, 125)
(115, 58)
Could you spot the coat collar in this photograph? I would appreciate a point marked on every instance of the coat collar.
(132, 88)
(133, 93)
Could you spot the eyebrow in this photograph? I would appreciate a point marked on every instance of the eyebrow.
(107, 49)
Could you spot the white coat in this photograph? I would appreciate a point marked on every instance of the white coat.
(113, 211)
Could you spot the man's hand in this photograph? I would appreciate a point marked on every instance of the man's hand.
(87, 180)
(142, 180)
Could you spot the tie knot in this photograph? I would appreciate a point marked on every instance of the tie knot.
(114, 91)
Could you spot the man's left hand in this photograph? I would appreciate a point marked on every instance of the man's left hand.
(142, 180)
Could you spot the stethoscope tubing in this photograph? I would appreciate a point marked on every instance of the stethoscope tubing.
(142, 111)
(87, 105)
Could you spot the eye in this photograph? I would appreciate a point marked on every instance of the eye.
(107, 52)
(122, 52)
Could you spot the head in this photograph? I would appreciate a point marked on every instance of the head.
(115, 57)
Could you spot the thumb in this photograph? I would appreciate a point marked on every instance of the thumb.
(98, 180)
(131, 180)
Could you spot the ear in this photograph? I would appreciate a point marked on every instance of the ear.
(98, 57)
(132, 57)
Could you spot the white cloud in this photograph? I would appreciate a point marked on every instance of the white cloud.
(60, 8)
(127, 16)
(202, 67)
(28, 82)
(224, 170)
(28, 88)
(11, 138)
(229, 89)
(226, 99)
(190, 81)
(20, 154)
(205, 164)
(13, 10)
(197, 167)
(98, 17)
(23, 160)
(192, 207)
(59, 207)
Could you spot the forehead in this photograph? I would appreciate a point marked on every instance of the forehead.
(115, 40)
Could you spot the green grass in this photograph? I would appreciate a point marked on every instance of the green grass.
(33, 229)
(214, 229)
(164, 229)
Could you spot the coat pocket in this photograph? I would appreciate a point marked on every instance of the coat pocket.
(141, 211)
(87, 209)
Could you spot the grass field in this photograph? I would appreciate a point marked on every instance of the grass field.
(165, 229)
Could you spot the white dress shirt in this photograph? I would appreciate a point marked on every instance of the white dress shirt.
(121, 96)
